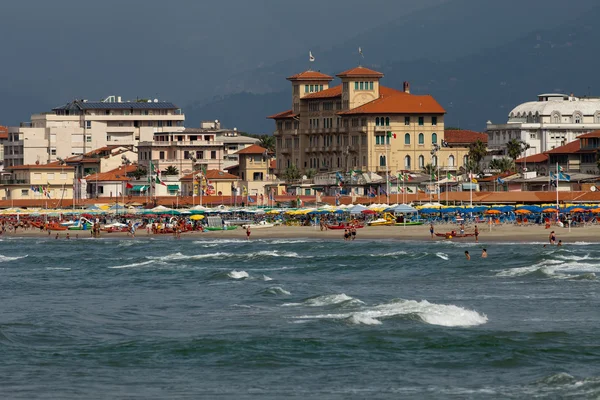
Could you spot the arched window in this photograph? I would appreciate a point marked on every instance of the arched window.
(377, 121)
(407, 162)
(451, 160)
(421, 138)
(434, 138)
(556, 117)
(387, 121)
(382, 161)
(465, 160)
(434, 161)
(577, 118)
(421, 161)
(407, 138)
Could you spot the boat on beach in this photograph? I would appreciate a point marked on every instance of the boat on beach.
(345, 226)
(260, 225)
(454, 235)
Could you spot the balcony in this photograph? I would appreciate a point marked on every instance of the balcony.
(382, 128)
(15, 182)
(286, 150)
(190, 143)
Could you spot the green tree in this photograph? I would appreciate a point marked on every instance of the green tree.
(429, 169)
(291, 173)
(171, 170)
(138, 173)
(515, 147)
(502, 164)
(310, 173)
(268, 142)
(477, 151)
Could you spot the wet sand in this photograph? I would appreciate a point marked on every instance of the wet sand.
(503, 233)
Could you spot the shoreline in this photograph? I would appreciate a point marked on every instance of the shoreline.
(508, 233)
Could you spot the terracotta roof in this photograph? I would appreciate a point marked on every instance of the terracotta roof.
(536, 158)
(569, 148)
(594, 134)
(310, 76)
(335, 91)
(360, 72)
(453, 136)
(117, 174)
(273, 164)
(53, 165)
(392, 101)
(282, 115)
(102, 150)
(212, 174)
(3, 133)
(253, 149)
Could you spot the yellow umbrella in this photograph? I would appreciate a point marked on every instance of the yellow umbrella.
(196, 217)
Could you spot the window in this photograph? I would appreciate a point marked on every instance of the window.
(50, 176)
(421, 121)
(305, 88)
(213, 155)
(451, 160)
(387, 121)
(363, 140)
(407, 162)
(421, 162)
(406, 120)
(556, 118)
(320, 87)
(161, 155)
(88, 124)
(88, 139)
(361, 86)
(159, 124)
(421, 138)
(598, 118)
(345, 86)
(377, 121)
(577, 118)
(371, 85)
(169, 123)
(63, 176)
(355, 85)
(382, 161)
(53, 151)
(433, 120)
(24, 192)
(328, 106)
(434, 138)
(407, 138)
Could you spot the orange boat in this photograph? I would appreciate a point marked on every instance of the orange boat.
(54, 226)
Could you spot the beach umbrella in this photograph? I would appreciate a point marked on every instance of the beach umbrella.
(577, 210)
(549, 210)
(196, 217)
(596, 210)
(522, 211)
(493, 212)
(368, 212)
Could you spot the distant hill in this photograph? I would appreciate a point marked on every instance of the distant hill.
(473, 88)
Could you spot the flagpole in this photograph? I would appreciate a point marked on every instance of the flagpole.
(557, 179)
(387, 168)
(470, 190)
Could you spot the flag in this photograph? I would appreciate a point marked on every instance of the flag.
(433, 176)
(401, 177)
(129, 185)
(382, 191)
(371, 191)
(407, 177)
(298, 202)
(159, 181)
(501, 181)
(272, 194)
(391, 135)
(33, 189)
(560, 168)
(361, 53)
(244, 191)
(450, 177)
(409, 190)
(473, 180)
(203, 170)
(311, 58)
(420, 190)
(564, 177)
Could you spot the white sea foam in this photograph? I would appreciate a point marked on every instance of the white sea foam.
(238, 274)
(330, 299)
(277, 290)
(7, 258)
(58, 269)
(359, 319)
(221, 241)
(392, 254)
(430, 313)
(140, 264)
(443, 256)
(267, 278)
(553, 269)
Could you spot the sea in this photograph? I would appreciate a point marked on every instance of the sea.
(151, 318)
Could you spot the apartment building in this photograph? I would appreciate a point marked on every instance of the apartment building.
(54, 181)
(81, 126)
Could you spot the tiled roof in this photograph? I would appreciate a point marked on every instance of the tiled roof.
(3, 133)
(212, 174)
(392, 101)
(102, 150)
(536, 158)
(284, 114)
(273, 164)
(453, 136)
(54, 166)
(594, 134)
(335, 91)
(253, 149)
(117, 174)
(100, 105)
(569, 148)
(310, 76)
(360, 72)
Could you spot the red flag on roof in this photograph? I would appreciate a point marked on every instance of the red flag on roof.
(129, 185)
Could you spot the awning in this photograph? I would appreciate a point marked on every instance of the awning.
(172, 187)
(139, 188)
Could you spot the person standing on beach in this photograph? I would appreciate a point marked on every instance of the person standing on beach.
(476, 234)
(431, 230)
(552, 237)
(248, 232)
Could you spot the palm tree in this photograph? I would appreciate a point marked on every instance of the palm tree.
(310, 173)
(268, 142)
(429, 169)
(291, 173)
(477, 151)
(171, 170)
(502, 164)
(138, 173)
(515, 147)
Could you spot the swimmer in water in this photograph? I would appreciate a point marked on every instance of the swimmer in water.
(559, 243)
(467, 255)
(484, 253)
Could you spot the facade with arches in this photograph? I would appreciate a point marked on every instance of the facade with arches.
(359, 124)
(552, 121)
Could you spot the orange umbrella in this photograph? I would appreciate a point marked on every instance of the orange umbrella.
(596, 210)
(493, 212)
(549, 210)
(578, 210)
(522, 211)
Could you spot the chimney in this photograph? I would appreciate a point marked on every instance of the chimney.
(406, 87)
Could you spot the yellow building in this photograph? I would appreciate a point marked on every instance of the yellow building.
(47, 181)
(212, 183)
(361, 125)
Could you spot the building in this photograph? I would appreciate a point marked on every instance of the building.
(110, 184)
(580, 155)
(213, 183)
(551, 121)
(38, 181)
(81, 126)
(360, 125)
(3, 140)
(187, 151)
(254, 169)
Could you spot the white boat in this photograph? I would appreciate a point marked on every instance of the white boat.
(260, 225)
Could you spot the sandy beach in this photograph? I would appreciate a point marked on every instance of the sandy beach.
(502, 233)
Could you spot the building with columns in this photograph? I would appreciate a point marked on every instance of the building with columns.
(360, 124)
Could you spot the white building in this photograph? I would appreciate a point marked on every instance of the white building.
(551, 121)
(81, 126)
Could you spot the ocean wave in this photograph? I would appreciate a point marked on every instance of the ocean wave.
(434, 314)
(331, 299)
(259, 254)
(8, 258)
(267, 278)
(58, 269)
(238, 274)
(392, 254)
(140, 264)
(443, 256)
(276, 290)
(554, 269)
